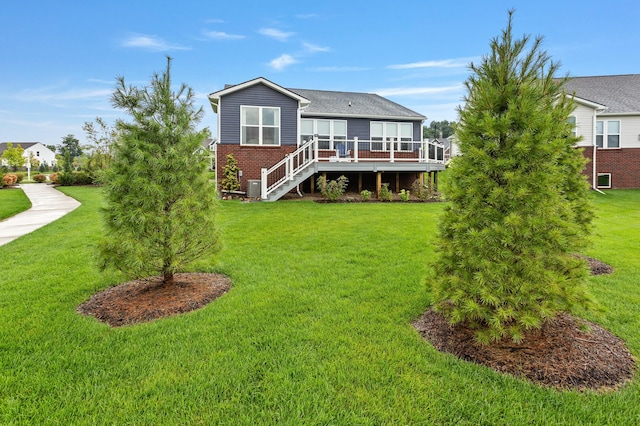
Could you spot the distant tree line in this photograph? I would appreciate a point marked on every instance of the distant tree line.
(439, 129)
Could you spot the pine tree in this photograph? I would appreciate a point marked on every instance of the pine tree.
(519, 207)
(160, 213)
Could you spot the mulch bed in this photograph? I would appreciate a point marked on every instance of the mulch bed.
(147, 299)
(598, 267)
(562, 354)
(566, 353)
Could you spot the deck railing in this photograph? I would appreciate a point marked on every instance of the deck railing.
(343, 150)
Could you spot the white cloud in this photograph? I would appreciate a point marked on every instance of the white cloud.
(37, 95)
(282, 62)
(151, 43)
(221, 35)
(339, 69)
(313, 48)
(275, 33)
(410, 91)
(443, 63)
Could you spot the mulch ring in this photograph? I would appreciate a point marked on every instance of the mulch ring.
(147, 299)
(597, 267)
(566, 353)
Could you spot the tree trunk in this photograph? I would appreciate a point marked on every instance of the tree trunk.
(167, 278)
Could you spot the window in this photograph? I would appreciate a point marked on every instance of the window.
(383, 134)
(572, 121)
(259, 125)
(37, 153)
(608, 134)
(604, 180)
(328, 131)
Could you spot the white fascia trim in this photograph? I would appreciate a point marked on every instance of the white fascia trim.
(613, 114)
(585, 102)
(373, 117)
(260, 80)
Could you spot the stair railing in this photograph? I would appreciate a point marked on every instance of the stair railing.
(286, 169)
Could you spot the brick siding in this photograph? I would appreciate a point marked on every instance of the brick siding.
(623, 164)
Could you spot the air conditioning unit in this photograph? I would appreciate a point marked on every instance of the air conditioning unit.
(253, 188)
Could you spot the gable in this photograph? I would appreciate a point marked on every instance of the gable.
(261, 95)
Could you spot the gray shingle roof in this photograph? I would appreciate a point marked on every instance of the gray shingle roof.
(353, 104)
(620, 93)
(24, 145)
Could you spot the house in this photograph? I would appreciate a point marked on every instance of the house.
(36, 149)
(450, 147)
(607, 116)
(283, 139)
(207, 148)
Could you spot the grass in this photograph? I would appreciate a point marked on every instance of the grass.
(12, 202)
(316, 329)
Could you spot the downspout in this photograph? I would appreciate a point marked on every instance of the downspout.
(594, 183)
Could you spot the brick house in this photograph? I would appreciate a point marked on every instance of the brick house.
(283, 139)
(607, 116)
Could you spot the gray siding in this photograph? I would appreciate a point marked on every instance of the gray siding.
(257, 95)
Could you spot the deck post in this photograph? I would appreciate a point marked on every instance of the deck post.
(421, 177)
(263, 183)
(397, 181)
(315, 147)
(313, 184)
(435, 181)
(378, 183)
(359, 182)
(355, 149)
(391, 157)
(324, 181)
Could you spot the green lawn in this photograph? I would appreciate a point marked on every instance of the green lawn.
(316, 329)
(12, 202)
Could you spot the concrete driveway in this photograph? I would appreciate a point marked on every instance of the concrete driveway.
(48, 204)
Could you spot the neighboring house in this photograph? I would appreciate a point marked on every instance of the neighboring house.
(283, 139)
(450, 147)
(207, 148)
(39, 151)
(607, 117)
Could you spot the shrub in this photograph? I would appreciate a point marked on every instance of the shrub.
(365, 194)
(53, 178)
(19, 177)
(385, 193)
(83, 178)
(424, 192)
(39, 178)
(66, 179)
(9, 179)
(230, 172)
(332, 189)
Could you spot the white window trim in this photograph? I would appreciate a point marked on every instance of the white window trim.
(574, 131)
(261, 126)
(604, 174)
(386, 140)
(332, 134)
(605, 134)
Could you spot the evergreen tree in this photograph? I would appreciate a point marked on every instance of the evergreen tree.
(519, 207)
(70, 145)
(160, 213)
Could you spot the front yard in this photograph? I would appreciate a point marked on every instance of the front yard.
(316, 329)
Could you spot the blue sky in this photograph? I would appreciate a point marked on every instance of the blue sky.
(59, 60)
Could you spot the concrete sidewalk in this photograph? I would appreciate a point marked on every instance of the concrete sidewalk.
(47, 205)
